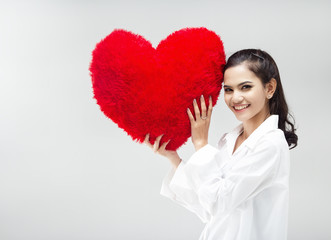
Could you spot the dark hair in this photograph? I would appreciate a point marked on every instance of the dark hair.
(265, 68)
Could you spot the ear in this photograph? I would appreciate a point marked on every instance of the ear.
(270, 88)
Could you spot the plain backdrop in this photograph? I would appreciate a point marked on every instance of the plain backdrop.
(68, 172)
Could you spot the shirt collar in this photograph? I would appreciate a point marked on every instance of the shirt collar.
(269, 124)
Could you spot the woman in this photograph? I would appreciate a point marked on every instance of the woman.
(240, 189)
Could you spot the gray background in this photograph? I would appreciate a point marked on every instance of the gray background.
(68, 172)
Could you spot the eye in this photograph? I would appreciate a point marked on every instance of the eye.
(227, 89)
(246, 87)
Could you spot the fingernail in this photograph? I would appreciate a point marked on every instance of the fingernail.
(201, 96)
(195, 100)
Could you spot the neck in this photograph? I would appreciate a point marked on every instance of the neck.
(253, 123)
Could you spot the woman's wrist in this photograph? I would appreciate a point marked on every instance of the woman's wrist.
(175, 161)
(201, 145)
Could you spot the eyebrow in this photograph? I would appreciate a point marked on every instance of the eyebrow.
(239, 84)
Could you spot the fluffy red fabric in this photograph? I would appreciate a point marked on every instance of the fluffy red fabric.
(147, 90)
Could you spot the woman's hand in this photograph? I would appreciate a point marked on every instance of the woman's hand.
(171, 155)
(200, 125)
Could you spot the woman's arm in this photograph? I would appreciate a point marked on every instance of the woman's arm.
(175, 161)
(181, 191)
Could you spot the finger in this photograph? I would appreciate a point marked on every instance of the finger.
(210, 107)
(163, 146)
(156, 143)
(147, 140)
(196, 109)
(190, 115)
(203, 106)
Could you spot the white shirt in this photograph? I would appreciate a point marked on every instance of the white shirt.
(240, 196)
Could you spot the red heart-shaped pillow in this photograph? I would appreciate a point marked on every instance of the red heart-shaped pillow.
(147, 90)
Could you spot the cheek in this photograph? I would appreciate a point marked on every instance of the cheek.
(260, 100)
(257, 96)
(226, 99)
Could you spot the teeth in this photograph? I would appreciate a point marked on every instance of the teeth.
(241, 107)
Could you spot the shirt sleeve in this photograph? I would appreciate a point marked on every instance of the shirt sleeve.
(203, 187)
(178, 185)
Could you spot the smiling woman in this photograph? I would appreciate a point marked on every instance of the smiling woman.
(240, 189)
(247, 97)
(266, 89)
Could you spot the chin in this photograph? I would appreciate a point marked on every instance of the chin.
(242, 117)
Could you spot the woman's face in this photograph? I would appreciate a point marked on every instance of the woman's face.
(244, 93)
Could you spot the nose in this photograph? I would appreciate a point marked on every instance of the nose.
(237, 97)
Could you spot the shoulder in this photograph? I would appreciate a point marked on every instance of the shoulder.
(275, 137)
(273, 141)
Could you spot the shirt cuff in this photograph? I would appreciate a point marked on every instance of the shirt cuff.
(204, 154)
(165, 190)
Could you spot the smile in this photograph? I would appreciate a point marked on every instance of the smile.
(239, 108)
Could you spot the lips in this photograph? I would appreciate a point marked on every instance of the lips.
(241, 107)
